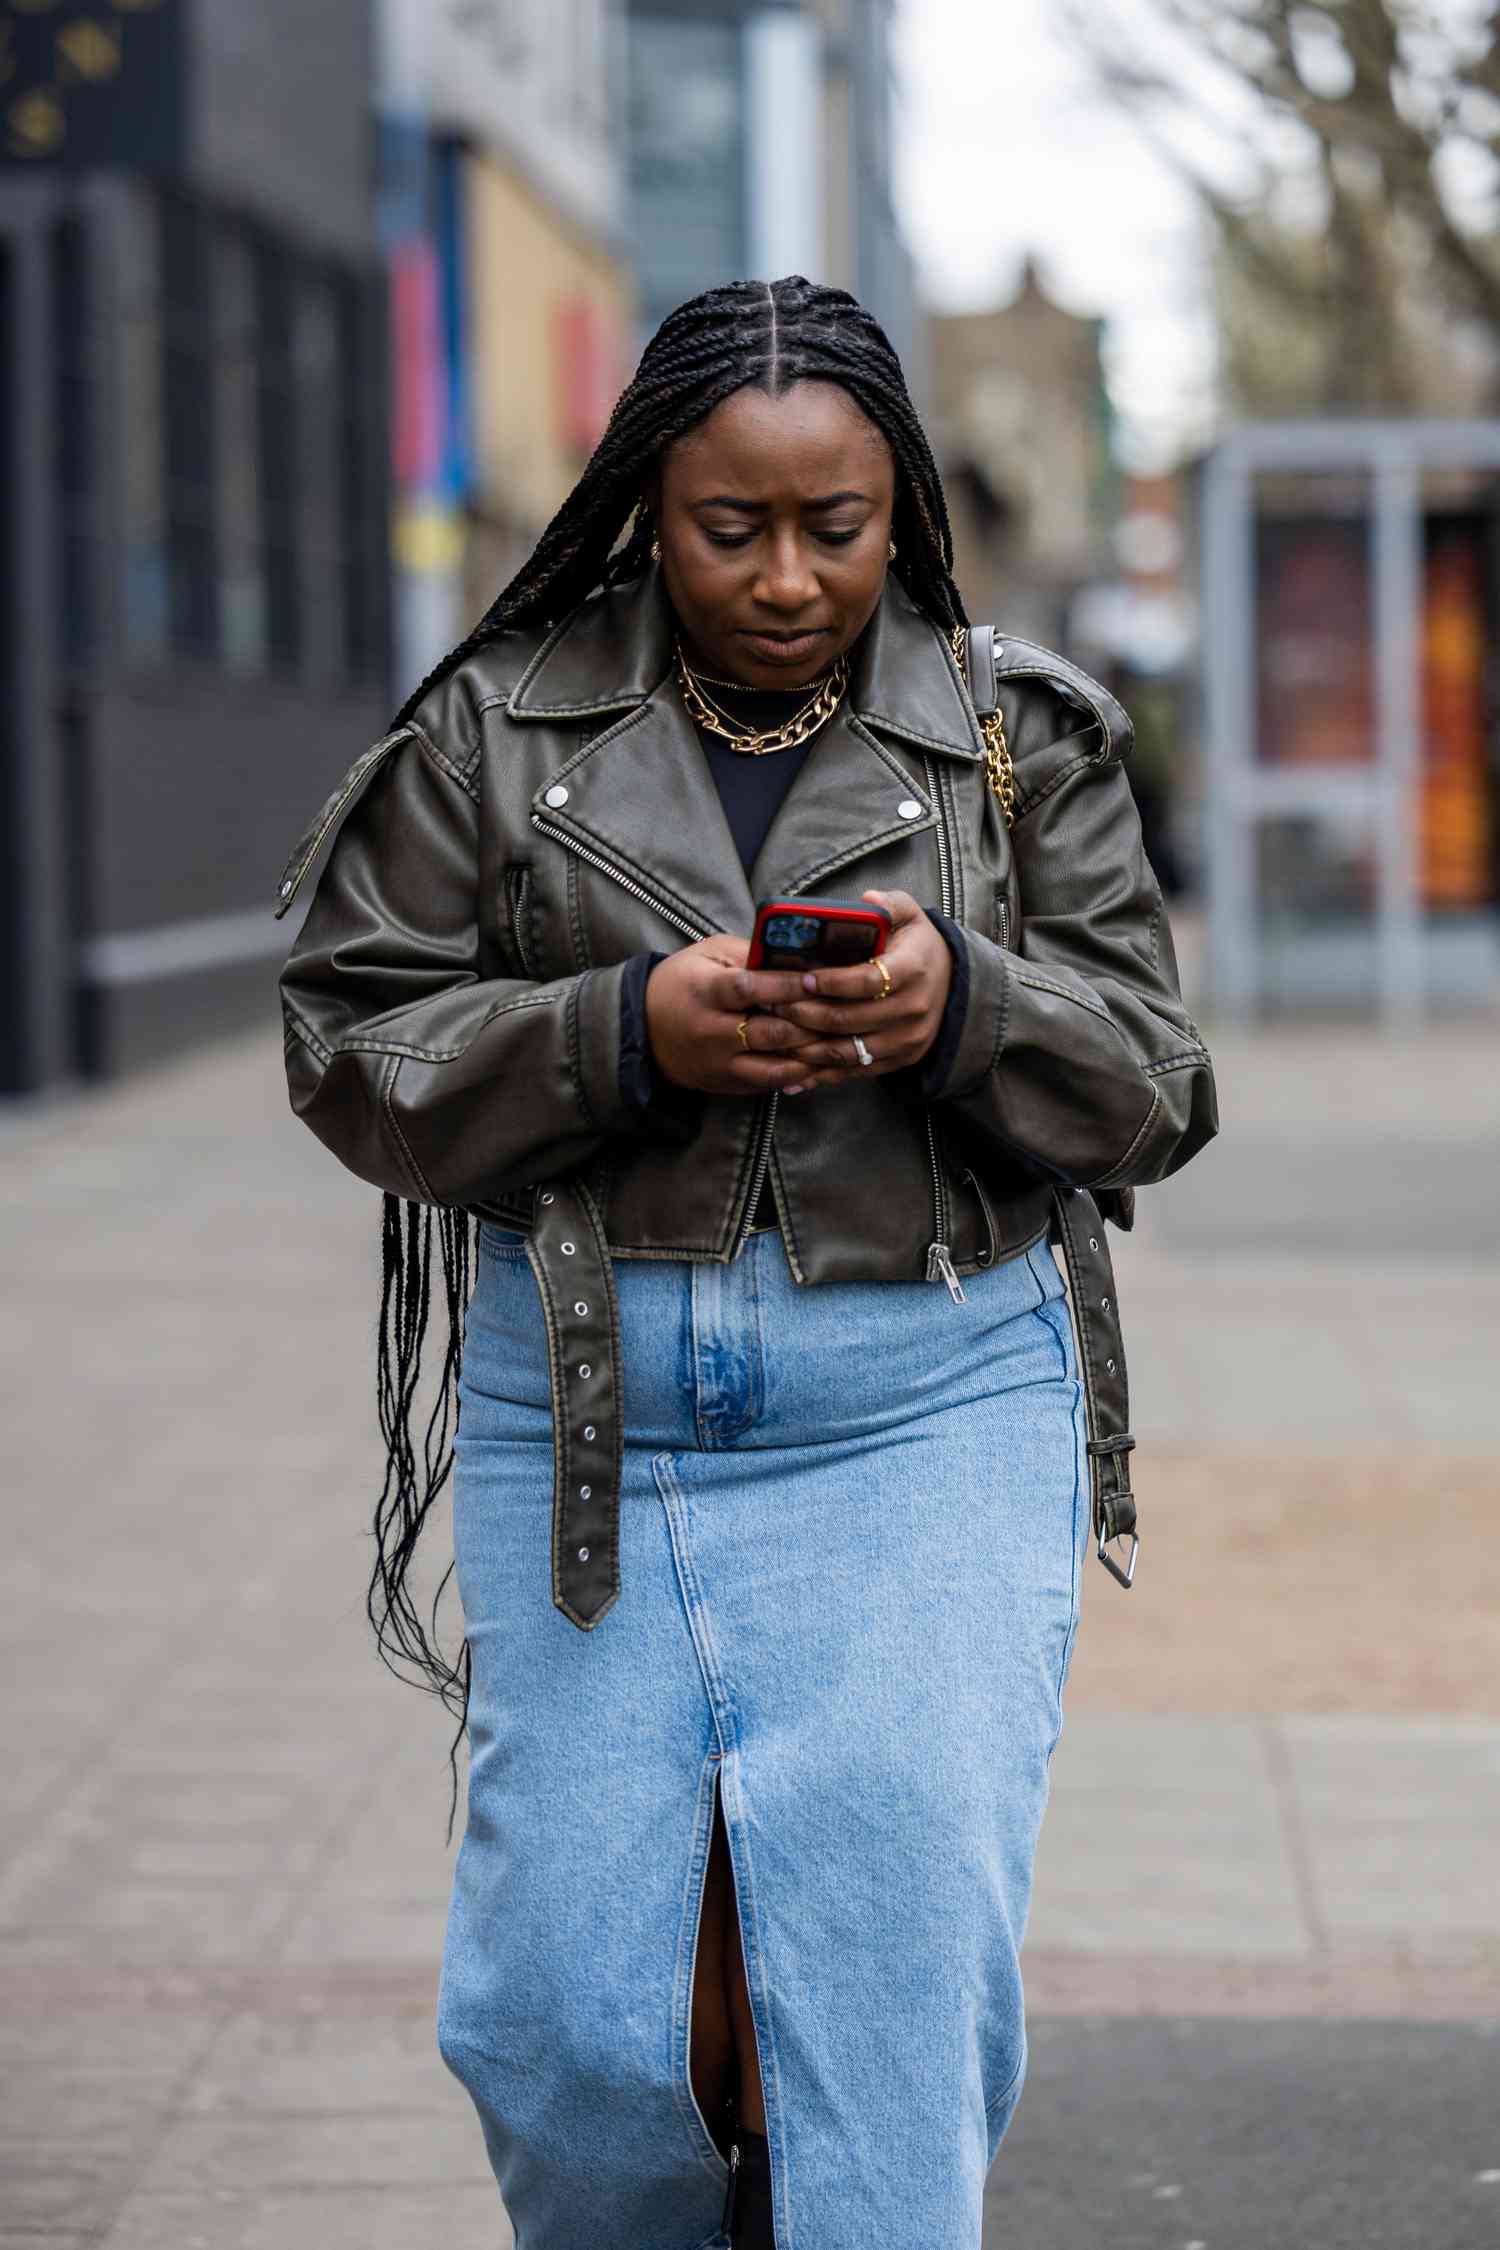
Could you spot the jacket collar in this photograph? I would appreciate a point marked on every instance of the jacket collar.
(616, 650)
(638, 797)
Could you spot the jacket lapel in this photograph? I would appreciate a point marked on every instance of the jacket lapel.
(640, 797)
(851, 797)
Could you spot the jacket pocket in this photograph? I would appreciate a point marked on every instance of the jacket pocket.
(1001, 925)
(519, 890)
(990, 1242)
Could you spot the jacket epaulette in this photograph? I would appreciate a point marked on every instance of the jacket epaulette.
(1028, 660)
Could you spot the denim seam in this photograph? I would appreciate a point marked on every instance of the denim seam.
(1010, 2085)
(689, 1937)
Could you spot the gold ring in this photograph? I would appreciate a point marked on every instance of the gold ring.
(885, 978)
(743, 1028)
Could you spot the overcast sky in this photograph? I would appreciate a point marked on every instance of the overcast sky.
(1003, 146)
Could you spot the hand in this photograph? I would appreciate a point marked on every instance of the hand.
(693, 1004)
(829, 1005)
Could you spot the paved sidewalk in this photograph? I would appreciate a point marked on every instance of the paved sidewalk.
(222, 1865)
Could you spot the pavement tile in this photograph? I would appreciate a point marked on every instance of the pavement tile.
(251, 2153)
(1184, 1814)
(458, 2216)
(314, 2064)
(1402, 1824)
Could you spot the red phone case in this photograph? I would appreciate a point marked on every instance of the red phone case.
(821, 910)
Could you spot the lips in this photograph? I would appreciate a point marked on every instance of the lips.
(786, 648)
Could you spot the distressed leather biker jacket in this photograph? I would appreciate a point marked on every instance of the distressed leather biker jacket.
(453, 1001)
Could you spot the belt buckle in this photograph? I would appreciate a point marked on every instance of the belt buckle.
(1106, 1540)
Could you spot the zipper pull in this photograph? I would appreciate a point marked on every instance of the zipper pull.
(940, 1268)
(734, 2174)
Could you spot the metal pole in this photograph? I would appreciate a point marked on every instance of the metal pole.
(38, 1048)
(1398, 594)
(1229, 711)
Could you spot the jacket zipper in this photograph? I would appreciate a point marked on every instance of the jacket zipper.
(940, 1266)
(757, 1173)
(518, 883)
(605, 867)
(768, 1122)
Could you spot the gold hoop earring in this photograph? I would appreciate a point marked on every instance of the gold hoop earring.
(656, 550)
(890, 550)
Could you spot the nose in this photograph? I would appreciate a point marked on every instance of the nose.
(786, 581)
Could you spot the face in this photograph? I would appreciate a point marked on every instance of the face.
(774, 516)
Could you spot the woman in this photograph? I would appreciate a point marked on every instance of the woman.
(767, 1379)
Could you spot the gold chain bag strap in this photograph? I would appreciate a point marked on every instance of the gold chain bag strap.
(997, 763)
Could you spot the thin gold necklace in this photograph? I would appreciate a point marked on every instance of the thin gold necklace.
(759, 742)
(746, 687)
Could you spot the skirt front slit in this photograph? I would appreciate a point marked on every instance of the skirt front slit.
(853, 1521)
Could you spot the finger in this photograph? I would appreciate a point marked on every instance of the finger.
(862, 980)
(762, 988)
(738, 991)
(864, 1016)
(771, 1034)
(762, 1074)
(838, 1056)
(900, 905)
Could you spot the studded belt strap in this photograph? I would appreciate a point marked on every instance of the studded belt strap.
(570, 1258)
(1079, 1227)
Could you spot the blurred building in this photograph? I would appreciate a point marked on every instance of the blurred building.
(1022, 426)
(503, 202)
(193, 593)
(760, 145)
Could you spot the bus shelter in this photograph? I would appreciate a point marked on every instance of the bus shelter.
(1349, 575)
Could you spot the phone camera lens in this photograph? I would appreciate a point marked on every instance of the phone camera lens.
(792, 933)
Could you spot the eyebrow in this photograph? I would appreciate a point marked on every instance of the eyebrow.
(759, 507)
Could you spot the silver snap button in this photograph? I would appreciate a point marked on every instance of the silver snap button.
(568, 1249)
(583, 1554)
(1104, 1304)
(909, 809)
(556, 795)
(580, 1308)
(585, 1492)
(588, 1431)
(1093, 1241)
(286, 890)
(1109, 1363)
(549, 1197)
(585, 1369)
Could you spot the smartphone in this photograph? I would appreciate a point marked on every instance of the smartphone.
(817, 933)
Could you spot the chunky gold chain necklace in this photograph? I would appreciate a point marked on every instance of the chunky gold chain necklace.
(759, 742)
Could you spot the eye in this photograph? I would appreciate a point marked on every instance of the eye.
(840, 538)
(728, 538)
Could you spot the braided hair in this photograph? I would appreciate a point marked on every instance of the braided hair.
(767, 334)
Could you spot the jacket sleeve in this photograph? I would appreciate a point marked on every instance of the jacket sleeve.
(1077, 1055)
(422, 1075)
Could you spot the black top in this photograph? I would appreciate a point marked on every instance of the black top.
(751, 790)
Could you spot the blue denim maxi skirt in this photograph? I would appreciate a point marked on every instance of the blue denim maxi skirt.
(853, 1524)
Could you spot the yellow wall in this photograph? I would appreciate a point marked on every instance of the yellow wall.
(525, 261)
